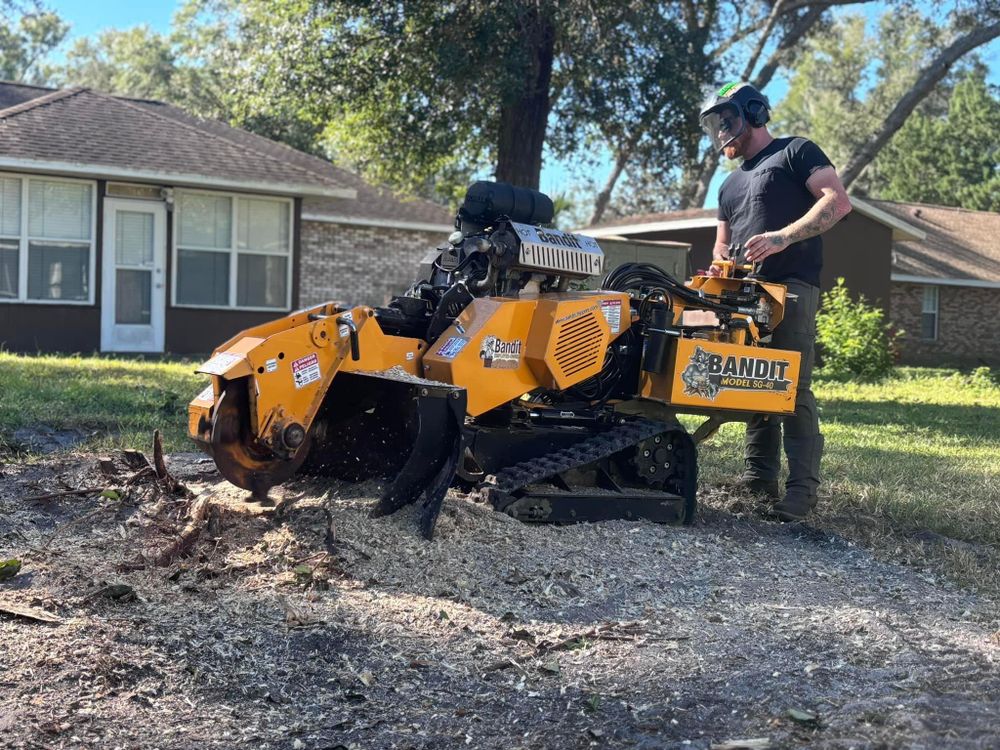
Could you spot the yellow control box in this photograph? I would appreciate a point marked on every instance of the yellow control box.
(710, 374)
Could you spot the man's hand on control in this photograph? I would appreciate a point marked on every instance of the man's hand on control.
(761, 246)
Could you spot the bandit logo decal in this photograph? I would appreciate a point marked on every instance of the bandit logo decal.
(499, 354)
(707, 374)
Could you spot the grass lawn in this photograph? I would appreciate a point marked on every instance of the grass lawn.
(920, 451)
(116, 402)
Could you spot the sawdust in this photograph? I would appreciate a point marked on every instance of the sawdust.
(315, 626)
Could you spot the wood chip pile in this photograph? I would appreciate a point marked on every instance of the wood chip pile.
(148, 613)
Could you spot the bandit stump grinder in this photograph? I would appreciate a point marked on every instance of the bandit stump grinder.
(498, 374)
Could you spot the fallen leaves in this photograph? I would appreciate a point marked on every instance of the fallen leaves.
(761, 743)
(9, 568)
(803, 717)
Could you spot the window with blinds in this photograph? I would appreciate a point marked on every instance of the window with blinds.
(46, 239)
(929, 314)
(232, 251)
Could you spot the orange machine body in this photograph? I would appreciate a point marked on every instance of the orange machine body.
(501, 348)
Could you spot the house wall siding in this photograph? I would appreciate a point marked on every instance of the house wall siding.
(359, 264)
(968, 332)
(50, 328)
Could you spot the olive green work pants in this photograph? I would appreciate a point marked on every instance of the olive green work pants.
(802, 439)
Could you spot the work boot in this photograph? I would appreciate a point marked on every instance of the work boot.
(754, 485)
(804, 454)
(794, 506)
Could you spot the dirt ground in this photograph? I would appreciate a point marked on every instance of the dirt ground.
(318, 627)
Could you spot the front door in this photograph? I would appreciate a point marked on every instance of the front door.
(133, 299)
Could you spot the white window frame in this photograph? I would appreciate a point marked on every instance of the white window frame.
(24, 240)
(931, 299)
(234, 251)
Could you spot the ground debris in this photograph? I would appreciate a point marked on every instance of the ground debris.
(323, 625)
(195, 518)
(28, 613)
(762, 743)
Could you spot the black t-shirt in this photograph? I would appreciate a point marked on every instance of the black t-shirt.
(767, 193)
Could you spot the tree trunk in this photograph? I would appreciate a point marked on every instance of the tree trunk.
(523, 119)
(928, 79)
(604, 197)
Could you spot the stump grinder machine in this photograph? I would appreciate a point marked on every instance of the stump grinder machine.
(498, 373)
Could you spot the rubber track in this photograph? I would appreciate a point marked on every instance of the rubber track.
(591, 449)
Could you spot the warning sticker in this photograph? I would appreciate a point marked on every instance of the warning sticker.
(306, 370)
(271, 365)
(450, 348)
(220, 363)
(612, 309)
(343, 330)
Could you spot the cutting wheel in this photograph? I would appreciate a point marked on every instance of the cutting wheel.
(238, 455)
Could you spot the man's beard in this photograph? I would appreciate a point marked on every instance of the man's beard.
(735, 147)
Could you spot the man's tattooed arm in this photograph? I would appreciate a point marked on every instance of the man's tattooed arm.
(818, 219)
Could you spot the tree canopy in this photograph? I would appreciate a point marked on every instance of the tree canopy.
(951, 158)
(423, 92)
(27, 36)
(848, 81)
(423, 96)
(189, 66)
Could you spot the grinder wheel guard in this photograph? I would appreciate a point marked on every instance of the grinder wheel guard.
(239, 457)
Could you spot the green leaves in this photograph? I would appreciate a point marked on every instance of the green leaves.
(854, 340)
(9, 568)
(949, 158)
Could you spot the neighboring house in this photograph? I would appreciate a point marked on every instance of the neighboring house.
(935, 270)
(130, 225)
(946, 287)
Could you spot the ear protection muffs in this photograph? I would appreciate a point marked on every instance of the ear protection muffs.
(756, 113)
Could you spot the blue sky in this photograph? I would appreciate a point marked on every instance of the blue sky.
(88, 17)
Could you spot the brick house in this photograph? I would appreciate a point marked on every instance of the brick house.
(129, 225)
(945, 290)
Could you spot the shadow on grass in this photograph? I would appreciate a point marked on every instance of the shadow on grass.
(947, 419)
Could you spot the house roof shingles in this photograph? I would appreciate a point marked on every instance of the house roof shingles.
(372, 203)
(85, 127)
(961, 245)
(656, 218)
(18, 93)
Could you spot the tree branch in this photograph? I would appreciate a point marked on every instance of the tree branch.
(762, 39)
(603, 197)
(791, 38)
(928, 79)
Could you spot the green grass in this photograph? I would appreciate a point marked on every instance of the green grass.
(921, 449)
(116, 402)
